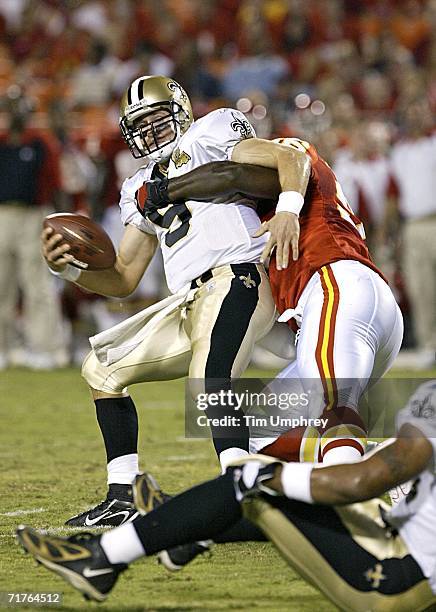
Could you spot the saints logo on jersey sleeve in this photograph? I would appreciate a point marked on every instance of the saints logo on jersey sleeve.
(242, 126)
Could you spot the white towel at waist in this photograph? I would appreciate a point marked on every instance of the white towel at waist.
(116, 342)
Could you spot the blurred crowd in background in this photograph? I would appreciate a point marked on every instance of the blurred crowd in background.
(357, 78)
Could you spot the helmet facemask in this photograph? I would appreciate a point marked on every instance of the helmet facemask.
(155, 112)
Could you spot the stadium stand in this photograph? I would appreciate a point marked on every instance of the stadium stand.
(312, 68)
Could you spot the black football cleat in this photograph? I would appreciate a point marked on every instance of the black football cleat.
(175, 559)
(108, 513)
(147, 495)
(79, 559)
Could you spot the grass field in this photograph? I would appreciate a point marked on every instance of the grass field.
(53, 465)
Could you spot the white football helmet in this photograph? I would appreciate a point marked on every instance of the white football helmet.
(145, 96)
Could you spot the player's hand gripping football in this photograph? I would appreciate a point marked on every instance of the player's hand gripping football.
(55, 250)
(284, 228)
(151, 196)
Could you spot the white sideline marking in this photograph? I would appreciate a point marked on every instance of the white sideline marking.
(67, 530)
(21, 512)
(60, 531)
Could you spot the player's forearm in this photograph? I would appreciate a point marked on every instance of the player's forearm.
(346, 484)
(109, 283)
(293, 166)
(218, 179)
(356, 482)
(388, 467)
(134, 255)
(335, 485)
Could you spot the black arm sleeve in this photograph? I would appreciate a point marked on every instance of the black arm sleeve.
(225, 179)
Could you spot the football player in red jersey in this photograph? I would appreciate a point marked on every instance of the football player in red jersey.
(349, 325)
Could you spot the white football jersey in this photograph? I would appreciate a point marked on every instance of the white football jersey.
(415, 515)
(196, 236)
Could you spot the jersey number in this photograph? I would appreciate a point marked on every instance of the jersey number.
(165, 220)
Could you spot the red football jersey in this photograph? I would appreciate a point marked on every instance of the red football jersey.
(329, 231)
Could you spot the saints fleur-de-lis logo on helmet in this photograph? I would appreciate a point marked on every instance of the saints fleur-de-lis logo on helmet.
(178, 89)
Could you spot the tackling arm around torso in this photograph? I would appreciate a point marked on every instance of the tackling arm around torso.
(293, 166)
(263, 169)
(259, 168)
(226, 178)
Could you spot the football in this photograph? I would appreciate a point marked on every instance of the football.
(90, 245)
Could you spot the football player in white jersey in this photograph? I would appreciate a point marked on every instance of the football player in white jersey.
(361, 556)
(222, 303)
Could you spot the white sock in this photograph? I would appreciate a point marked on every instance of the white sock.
(122, 470)
(231, 454)
(122, 544)
(341, 454)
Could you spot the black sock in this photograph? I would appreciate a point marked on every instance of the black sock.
(201, 513)
(123, 492)
(228, 436)
(118, 423)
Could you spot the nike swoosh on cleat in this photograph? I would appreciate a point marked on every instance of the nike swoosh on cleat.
(90, 573)
(89, 522)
